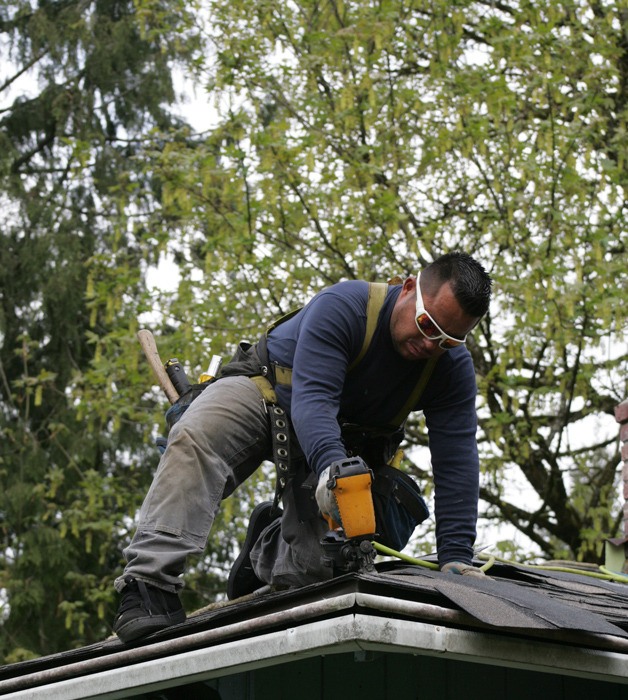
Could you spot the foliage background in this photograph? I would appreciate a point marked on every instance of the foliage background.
(339, 140)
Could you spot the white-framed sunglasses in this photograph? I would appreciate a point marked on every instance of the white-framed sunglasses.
(428, 326)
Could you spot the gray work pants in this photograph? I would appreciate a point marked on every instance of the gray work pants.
(220, 441)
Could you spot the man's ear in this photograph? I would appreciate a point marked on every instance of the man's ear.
(409, 284)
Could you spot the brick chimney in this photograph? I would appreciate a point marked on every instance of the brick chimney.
(621, 416)
(617, 549)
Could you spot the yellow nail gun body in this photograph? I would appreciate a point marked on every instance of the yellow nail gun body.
(348, 544)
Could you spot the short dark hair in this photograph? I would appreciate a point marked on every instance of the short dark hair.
(470, 282)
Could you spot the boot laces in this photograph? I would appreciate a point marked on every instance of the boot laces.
(136, 596)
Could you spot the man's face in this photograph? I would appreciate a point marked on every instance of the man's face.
(408, 340)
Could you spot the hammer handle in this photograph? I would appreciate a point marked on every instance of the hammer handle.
(147, 341)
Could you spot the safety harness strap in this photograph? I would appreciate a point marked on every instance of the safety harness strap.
(374, 305)
(280, 436)
(280, 433)
(265, 388)
(414, 397)
(375, 302)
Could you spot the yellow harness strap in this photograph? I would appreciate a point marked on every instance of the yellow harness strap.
(400, 418)
(265, 388)
(374, 304)
(376, 298)
(283, 375)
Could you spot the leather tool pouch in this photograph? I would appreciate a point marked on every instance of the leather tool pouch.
(399, 506)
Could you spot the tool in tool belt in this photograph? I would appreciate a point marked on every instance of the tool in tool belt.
(177, 376)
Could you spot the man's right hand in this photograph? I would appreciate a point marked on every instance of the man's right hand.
(344, 497)
(326, 499)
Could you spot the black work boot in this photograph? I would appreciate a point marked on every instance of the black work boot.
(145, 609)
(242, 579)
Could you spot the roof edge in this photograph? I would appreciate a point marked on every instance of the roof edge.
(201, 656)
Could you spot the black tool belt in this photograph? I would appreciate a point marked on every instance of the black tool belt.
(376, 445)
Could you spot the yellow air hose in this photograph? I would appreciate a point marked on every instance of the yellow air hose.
(604, 573)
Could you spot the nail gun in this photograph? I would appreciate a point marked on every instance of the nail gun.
(347, 546)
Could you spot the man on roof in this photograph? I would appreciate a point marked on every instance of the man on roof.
(346, 372)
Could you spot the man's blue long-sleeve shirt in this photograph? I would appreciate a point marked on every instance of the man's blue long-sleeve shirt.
(320, 342)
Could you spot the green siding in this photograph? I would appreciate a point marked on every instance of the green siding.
(390, 676)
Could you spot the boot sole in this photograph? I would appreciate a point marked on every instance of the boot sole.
(143, 626)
